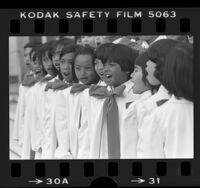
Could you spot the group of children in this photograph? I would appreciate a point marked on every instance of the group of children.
(112, 102)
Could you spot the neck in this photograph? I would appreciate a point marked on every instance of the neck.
(123, 80)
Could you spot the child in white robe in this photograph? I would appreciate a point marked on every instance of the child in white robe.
(44, 101)
(28, 82)
(169, 133)
(156, 54)
(29, 117)
(37, 130)
(72, 100)
(117, 68)
(101, 55)
(50, 94)
(60, 105)
(131, 116)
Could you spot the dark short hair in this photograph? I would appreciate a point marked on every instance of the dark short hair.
(124, 56)
(141, 60)
(48, 48)
(37, 54)
(63, 42)
(102, 51)
(178, 71)
(157, 53)
(71, 48)
(32, 44)
(86, 50)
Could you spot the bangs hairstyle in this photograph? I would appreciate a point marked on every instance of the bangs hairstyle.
(84, 50)
(34, 50)
(62, 42)
(157, 53)
(124, 56)
(141, 61)
(48, 48)
(178, 71)
(37, 54)
(32, 44)
(71, 48)
(102, 52)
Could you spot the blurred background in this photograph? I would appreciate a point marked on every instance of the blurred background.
(17, 67)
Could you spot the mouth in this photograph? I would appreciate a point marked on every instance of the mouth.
(85, 79)
(108, 76)
(66, 74)
(50, 69)
(101, 74)
(37, 71)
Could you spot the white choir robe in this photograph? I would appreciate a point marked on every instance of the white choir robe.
(71, 125)
(18, 127)
(146, 108)
(129, 133)
(83, 137)
(47, 124)
(33, 121)
(169, 133)
(97, 124)
(29, 117)
(62, 124)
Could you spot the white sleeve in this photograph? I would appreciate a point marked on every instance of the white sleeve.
(179, 138)
(151, 138)
(35, 117)
(61, 127)
(83, 133)
(18, 114)
(129, 134)
(26, 139)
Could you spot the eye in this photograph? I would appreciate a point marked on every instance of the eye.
(77, 68)
(88, 68)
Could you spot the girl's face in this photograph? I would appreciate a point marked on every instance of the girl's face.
(150, 68)
(27, 58)
(48, 64)
(66, 66)
(114, 74)
(136, 77)
(84, 69)
(37, 67)
(56, 57)
(98, 65)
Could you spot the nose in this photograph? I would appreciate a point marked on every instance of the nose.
(49, 64)
(106, 68)
(56, 56)
(132, 74)
(82, 72)
(100, 66)
(66, 67)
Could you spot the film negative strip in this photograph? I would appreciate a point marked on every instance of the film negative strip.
(92, 26)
